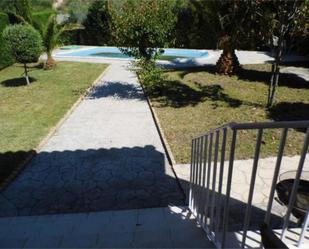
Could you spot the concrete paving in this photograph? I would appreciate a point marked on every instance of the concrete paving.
(240, 188)
(170, 227)
(107, 155)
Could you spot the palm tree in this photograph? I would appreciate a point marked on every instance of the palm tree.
(234, 20)
(49, 28)
(228, 63)
(51, 33)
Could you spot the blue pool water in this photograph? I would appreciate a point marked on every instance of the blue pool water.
(113, 52)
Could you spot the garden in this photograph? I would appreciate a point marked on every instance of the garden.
(36, 93)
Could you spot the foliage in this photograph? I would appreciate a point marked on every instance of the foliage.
(76, 9)
(51, 32)
(46, 23)
(25, 44)
(6, 58)
(98, 24)
(281, 22)
(149, 74)
(140, 27)
(24, 41)
(195, 27)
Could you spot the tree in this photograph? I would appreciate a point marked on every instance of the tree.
(25, 44)
(98, 24)
(45, 22)
(231, 18)
(283, 20)
(51, 32)
(142, 27)
(194, 26)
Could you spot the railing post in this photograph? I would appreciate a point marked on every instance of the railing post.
(214, 177)
(218, 216)
(276, 174)
(295, 184)
(208, 177)
(252, 183)
(191, 173)
(228, 187)
(199, 183)
(204, 178)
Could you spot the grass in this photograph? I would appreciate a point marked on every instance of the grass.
(191, 102)
(27, 113)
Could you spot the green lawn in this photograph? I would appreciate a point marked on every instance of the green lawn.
(27, 113)
(190, 102)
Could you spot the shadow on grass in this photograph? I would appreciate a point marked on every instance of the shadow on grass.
(10, 161)
(286, 79)
(286, 111)
(176, 94)
(16, 82)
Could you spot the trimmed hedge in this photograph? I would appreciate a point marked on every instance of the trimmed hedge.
(6, 59)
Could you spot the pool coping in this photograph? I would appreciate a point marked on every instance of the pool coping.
(189, 61)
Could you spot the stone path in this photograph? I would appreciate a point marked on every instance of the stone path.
(107, 155)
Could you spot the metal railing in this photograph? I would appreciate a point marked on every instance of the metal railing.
(211, 177)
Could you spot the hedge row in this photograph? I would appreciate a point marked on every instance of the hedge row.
(5, 56)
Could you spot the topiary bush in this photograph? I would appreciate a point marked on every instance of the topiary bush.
(6, 59)
(25, 44)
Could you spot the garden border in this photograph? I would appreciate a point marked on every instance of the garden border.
(154, 114)
(51, 132)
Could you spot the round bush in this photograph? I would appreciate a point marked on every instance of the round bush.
(24, 41)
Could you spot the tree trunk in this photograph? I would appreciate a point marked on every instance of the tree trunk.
(143, 53)
(50, 62)
(26, 74)
(274, 80)
(228, 63)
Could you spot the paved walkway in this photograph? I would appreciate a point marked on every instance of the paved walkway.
(171, 227)
(107, 155)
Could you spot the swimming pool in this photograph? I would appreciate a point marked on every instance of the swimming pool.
(114, 52)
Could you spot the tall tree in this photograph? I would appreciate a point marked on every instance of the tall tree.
(51, 32)
(98, 23)
(284, 19)
(231, 19)
(142, 27)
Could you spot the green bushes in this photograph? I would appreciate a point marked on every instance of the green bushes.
(150, 75)
(97, 24)
(6, 58)
(25, 44)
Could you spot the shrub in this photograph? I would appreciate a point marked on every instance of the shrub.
(150, 75)
(6, 59)
(25, 44)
